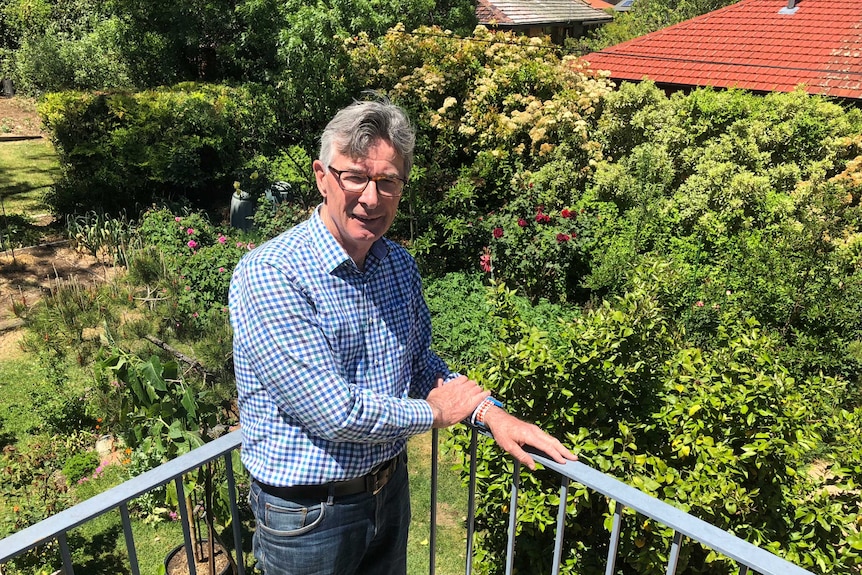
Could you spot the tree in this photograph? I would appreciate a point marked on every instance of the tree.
(644, 17)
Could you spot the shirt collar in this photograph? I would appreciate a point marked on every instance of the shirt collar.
(333, 255)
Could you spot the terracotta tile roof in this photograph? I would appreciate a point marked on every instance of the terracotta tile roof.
(509, 13)
(755, 44)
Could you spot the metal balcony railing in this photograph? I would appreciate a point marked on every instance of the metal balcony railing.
(751, 559)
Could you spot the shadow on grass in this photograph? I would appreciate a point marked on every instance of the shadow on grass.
(101, 551)
(92, 553)
(17, 231)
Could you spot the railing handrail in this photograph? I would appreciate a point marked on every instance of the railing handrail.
(109, 500)
(684, 524)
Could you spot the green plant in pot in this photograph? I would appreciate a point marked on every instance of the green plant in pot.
(161, 413)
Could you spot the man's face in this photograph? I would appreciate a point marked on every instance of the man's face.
(357, 220)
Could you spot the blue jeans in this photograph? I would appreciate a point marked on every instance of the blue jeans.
(352, 535)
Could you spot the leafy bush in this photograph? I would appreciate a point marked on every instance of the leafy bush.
(462, 321)
(198, 259)
(123, 150)
(80, 465)
(726, 434)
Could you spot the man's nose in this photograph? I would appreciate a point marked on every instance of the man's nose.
(370, 197)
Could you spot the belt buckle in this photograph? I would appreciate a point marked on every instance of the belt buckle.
(378, 480)
(377, 483)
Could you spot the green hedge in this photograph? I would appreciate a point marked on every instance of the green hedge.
(122, 150)
(726, 434)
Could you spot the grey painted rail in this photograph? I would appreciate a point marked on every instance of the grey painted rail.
(750, 558)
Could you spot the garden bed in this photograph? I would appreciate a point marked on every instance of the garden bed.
(33, 272)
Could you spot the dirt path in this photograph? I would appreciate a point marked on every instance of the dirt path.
(18, 118)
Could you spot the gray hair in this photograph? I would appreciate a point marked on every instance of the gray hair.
(356, 128)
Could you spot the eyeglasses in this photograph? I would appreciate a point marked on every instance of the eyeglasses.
(356, 182)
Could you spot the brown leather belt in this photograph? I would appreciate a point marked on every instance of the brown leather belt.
(370, 483)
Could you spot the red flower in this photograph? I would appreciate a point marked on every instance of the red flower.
(498, 232)
(562, 238)
(485, 260)
(522, 223)
(566, 213)
(543, 218)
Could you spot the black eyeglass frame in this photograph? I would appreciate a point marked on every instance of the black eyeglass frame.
(368, 179)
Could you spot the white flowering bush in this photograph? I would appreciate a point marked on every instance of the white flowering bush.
(490, 109)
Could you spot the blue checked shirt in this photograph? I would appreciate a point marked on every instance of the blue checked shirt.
(332, 364)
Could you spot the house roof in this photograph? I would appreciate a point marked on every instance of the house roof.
(514, 13)
(761, 45)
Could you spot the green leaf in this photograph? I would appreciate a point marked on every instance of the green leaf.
(188, 402)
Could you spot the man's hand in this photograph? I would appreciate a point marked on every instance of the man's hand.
(511, 434)
(456, 400)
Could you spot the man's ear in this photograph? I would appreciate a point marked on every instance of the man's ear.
(320, 177)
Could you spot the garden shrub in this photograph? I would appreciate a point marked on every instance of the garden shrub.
(199, 260)
(80, 465)
(489, 109)
(747, 197)
(66, 320)
(123, 150)
(462, 321)
(541, 251)
(727, 434)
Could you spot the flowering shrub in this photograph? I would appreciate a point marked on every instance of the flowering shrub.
(540, 251)
(202, 259)
(489, 109)
(174, 234)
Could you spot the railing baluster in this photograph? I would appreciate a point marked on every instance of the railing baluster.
(513, 517)
(234, 512)
(561, 526)
(432, 537)
(130, 539)
(186, 520)
(614, 547)
(68, 569)
(674, 553)
(471, 500)
(743, 570)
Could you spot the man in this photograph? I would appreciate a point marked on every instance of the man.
(334, 368)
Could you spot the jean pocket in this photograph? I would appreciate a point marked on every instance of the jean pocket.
(289, 520)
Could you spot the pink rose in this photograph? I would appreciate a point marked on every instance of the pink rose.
(192, 244)
(498, 232)
(522, 223)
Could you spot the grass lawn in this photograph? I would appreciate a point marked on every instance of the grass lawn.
(28, 168)
(27, 171)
